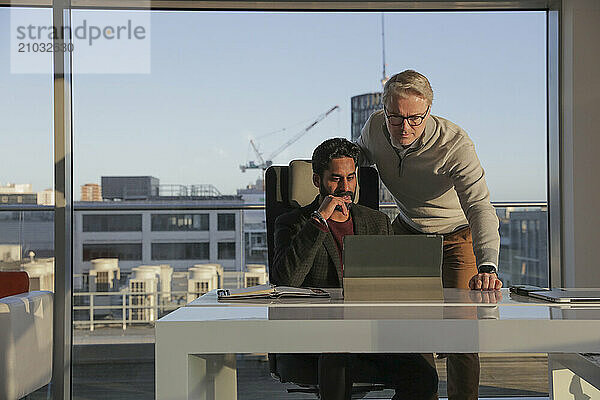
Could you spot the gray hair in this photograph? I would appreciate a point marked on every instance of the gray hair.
(407, 83)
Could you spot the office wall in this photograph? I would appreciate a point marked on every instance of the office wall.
(580, 142)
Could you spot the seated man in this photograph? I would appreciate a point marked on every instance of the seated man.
(308, 253)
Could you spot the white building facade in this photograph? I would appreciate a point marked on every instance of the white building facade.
(178, 237)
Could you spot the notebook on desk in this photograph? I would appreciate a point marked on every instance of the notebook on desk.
(392, 268)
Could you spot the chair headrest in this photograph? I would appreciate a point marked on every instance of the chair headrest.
(302, 191)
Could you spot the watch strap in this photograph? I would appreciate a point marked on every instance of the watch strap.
(487, 269)
(319, 217)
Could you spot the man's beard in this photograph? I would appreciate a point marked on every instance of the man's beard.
(324, 193)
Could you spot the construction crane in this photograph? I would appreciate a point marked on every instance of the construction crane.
(384, 77)
(264, 164)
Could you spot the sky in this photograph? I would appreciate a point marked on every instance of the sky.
(218, 79)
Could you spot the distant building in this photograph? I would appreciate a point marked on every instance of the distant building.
(17, 198)
(253, 188)
(17, 193)
(46, 197)
(25, 231)
(91, 192)
(130, 187)
(13, 188)
(362, 107)
(253, 192)
(255, 224)
(159, 232)
(527, 245)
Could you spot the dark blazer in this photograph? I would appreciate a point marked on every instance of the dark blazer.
(306, 256)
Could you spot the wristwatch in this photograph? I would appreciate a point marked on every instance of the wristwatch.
(487, 269)
(318, 216)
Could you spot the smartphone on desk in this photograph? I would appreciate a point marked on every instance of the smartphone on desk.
(524, 290)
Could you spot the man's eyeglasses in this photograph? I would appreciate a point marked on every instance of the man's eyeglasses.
(413, 120)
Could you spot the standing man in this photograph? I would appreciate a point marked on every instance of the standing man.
(429, 165)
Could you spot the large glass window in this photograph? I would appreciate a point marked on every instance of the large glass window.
(226, 222)
(226, 250)
(26, 238)
(18, 198)
(295, 66)
(122, 251)
(190, 146)
(112, 223)
(180, 251)
(180, 222)
(26, 163)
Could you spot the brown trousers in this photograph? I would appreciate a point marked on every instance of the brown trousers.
(458, 266)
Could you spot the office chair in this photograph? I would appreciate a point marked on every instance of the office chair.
(289, 187)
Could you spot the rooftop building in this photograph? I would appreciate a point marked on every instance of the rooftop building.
(46, 197)
(18, 193)
(129, 187)
(91, 192)
(12, 188)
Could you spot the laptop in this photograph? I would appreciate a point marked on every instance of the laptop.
(568, 295)
(392, 268)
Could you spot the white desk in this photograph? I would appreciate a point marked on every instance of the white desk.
(196, 344)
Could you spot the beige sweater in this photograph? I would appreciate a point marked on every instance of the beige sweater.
(439, 185)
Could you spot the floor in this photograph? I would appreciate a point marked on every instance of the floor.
(105, 372)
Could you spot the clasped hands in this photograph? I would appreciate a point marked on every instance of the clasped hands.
(329, 204)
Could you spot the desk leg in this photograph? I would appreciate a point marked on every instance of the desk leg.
(566, 384)
(212, 377)
(181, 376)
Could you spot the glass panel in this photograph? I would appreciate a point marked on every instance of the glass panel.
(226, 251)
(180, 251)
(226, 222)
(128, 188)
(26, 162)
(112, 223)
(27, 238)
(122, 251)
(523, 245)
(27, 244)
(180, 222)
(167, 143)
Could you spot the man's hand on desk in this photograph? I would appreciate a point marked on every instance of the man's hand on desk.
(485, 281)
(488, 297)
